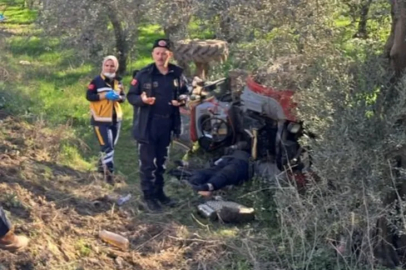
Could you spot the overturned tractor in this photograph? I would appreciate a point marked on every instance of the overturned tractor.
(259, 120)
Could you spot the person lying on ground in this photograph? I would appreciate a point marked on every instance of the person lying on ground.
(229, 170)
(8, 240)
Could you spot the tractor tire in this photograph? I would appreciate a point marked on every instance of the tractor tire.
(201, 51)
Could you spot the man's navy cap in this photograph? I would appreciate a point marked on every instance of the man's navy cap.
(161, 43)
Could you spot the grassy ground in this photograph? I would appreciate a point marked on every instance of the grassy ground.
(62, 208)
(47, 158)
(53, 84)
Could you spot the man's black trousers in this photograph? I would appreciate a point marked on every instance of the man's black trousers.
(229, 171)
(5, 225)
(152, 156)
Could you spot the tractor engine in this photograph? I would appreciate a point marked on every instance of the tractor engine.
(256, 131)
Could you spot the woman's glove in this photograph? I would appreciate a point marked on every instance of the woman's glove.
(111, 95)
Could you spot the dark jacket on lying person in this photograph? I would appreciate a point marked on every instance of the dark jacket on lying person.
(229, 170)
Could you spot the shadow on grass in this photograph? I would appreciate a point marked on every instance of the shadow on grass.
(60, 80)
(47, 50)
(31, 46)
(16, 104)
(55, 183)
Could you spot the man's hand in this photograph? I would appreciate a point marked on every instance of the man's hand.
(175, 103)
(180, 102)
(205, 193)
(147, 100)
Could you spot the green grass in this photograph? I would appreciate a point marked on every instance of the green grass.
(34, 47)
(17, 16)
(378, 32)
(54, 82)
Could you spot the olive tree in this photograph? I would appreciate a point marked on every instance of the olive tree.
(356, 106)
(94, 27)
(173, 16)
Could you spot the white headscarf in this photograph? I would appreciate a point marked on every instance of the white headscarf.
(115, 61)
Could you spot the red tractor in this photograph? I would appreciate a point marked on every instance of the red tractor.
(259, 119)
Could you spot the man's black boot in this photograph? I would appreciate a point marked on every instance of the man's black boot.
(163, 199)
(110, 179)
(151, 204)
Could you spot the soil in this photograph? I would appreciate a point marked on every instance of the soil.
(54, 205)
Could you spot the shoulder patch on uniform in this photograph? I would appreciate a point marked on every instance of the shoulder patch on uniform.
(134, 82)
(91, 86)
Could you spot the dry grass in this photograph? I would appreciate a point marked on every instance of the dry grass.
(54, 206)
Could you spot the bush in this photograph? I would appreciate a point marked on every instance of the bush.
(354, 109)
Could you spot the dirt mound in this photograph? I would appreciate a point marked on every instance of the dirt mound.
(284, 73)
(55, 206)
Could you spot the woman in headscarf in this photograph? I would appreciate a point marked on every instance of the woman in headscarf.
(105, 93)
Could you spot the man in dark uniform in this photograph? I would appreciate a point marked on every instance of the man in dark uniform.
(155, 94)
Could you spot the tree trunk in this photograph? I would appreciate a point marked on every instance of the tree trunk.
(363, 20)
(171, 31)
(178, 32)
(391, 248)
(226, 29)
(122, 42)
(29, 4)
(389, 41)
(397, 52)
